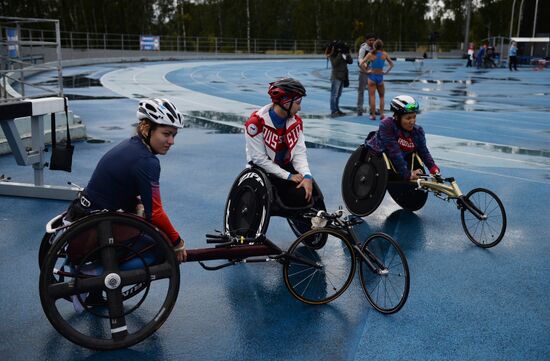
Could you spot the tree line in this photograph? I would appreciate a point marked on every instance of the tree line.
(392, 20)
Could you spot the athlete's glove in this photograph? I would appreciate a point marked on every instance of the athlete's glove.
(434, 169)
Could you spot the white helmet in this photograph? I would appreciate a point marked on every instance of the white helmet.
(160, 111)
(404, 104)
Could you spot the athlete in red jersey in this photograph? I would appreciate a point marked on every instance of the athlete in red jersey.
(275, 142)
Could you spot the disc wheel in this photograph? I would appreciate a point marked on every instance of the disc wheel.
(104, 313)
(364, 182)
(318, 276)
(247, 209)
(487, 232)
(406, 195)
(387, 284)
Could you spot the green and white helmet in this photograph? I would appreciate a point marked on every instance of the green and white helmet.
(404, 104)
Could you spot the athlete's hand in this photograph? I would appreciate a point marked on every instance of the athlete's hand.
(181, 252)
(434, 169)
(307, 184)
(297, 178)
(415, 174)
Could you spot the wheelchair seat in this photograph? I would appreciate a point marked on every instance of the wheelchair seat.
(253, 199)
(367, 175)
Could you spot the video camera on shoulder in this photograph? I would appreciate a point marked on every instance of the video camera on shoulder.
(338, 46)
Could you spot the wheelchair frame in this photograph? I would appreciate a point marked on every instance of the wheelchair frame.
(312, 277)
(481, 203)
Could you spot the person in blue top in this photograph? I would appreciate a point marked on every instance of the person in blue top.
(127, 176)
(481, 56)
(374, 63)
(399, 137)
(513, 56)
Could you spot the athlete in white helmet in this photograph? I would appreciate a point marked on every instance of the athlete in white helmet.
(127, 176)
(399, 136)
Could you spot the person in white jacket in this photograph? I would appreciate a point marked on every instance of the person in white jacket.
(275, 142)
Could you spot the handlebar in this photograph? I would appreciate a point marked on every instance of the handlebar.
(321, 218)
(225, 239)
(330, 216)
(437, 177)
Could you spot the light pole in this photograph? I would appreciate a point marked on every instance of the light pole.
(467, 30)
(519, 17)
(534, 25)
(512, 18)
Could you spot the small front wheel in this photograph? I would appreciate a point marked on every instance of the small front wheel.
(488, 231)
(317, 275)
(385, 277)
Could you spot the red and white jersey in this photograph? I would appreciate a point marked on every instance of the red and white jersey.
(264, 140)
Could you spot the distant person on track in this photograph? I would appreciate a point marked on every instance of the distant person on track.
(513, 56)
(339, 55)
(374, 64)
(470, 55)
(364, 49)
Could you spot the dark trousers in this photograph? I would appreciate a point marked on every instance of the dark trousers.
(513, 62)
(287, 191)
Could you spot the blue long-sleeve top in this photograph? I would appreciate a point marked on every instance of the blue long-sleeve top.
(398, 143)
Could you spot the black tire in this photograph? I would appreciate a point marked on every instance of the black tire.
(387, 286)
(122, 321)
(406, 195)
(248, 205)
(488, 232)
(333, 273)
(301, 225)
(45, 246)
(47, 240)
(364, 182)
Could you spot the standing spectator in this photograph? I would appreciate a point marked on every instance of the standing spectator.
(365, 48)
(513, 56)
(481, 56)
(338, 53)
(490, 57)
(374, 63)
(470, 55)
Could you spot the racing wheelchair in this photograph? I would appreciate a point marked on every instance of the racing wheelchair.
(367, 176)
(111, 279)
(253, 200)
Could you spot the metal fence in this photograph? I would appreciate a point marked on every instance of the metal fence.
(110, 41)
(15, 60)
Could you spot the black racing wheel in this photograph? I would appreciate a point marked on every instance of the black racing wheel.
(364, 182)
(247, 210)
(108, 265)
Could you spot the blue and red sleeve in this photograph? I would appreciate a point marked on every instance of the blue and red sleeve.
(147, 177)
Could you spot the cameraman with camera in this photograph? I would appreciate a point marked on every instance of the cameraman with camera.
(339, 54)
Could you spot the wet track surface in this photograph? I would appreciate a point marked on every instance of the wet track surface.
(487, 128)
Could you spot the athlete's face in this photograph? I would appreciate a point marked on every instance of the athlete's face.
(296, 106)
(408, 121)
(162, 138)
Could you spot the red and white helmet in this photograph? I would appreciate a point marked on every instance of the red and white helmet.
(285, 88)
(160, 111)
